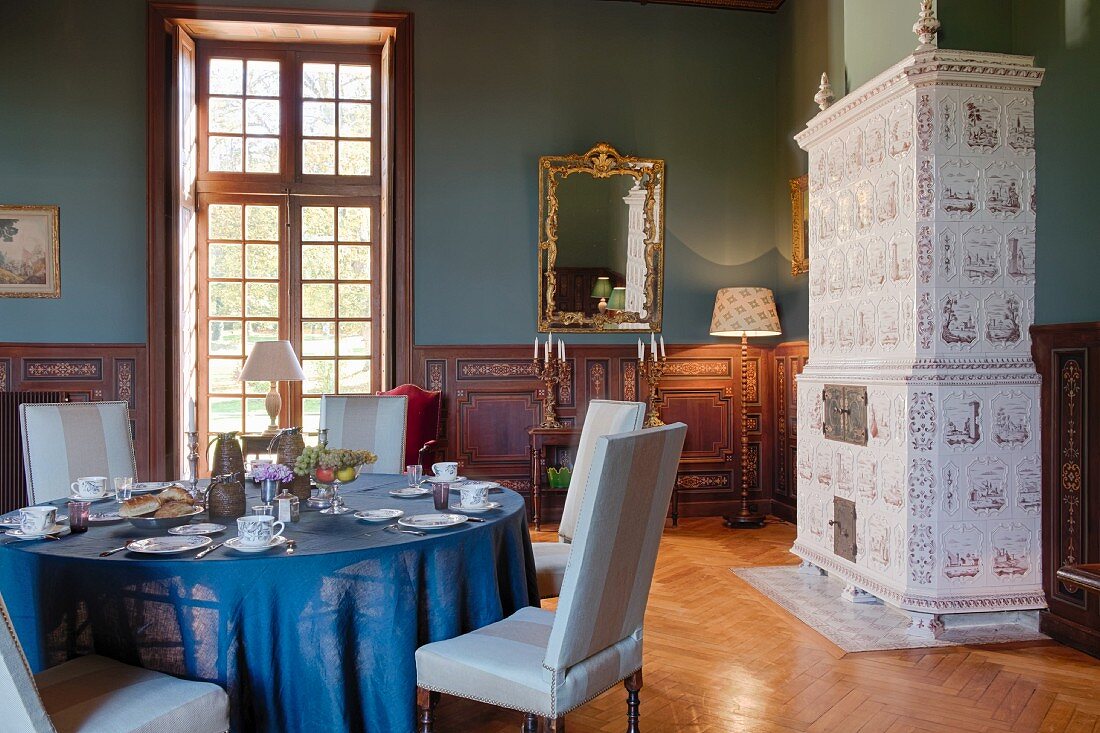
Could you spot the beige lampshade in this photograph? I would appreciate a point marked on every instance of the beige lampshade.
(272, 361)
(744, 311)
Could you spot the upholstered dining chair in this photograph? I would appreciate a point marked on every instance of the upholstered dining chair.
(604, 417)
(546, 663)
(423, 444)
(95, 694)
(65, 440)
(368, 422)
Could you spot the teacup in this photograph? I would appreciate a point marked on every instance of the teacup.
(446, 470)
(89, 487)
(37, 519)
(258, 530)
(474, 494)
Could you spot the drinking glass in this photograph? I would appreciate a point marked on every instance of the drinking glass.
(263, 510)
(441, 495)
(415, 475)
(78, 516)
(123, 488)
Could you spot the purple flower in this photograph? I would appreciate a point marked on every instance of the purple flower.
(272, 472)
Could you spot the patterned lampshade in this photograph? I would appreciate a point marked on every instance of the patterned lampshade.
(744, 311)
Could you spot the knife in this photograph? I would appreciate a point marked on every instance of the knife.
(208, 550)
(474, 519)
(114, 550)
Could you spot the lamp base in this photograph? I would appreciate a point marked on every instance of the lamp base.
(273, 403)
(744, 521)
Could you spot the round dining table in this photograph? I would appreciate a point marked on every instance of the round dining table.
(318, 640)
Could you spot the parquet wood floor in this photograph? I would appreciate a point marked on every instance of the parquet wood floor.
(721, 658)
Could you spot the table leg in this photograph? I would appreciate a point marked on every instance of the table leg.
(536, 486)
(676, 505)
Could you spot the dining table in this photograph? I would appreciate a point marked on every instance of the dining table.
(320, 639)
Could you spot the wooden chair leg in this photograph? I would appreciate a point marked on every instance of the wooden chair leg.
(426, 701)
(633, 684)
(555, 725)
(530, 723)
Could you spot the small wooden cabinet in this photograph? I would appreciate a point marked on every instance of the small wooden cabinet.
(548, 447)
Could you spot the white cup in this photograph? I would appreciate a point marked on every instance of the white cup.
(446, 470)
(474, 495)
(37, 519)
(258, 530)
(90, 487)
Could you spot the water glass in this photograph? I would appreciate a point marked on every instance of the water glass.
(78, 516)
(441, 495)
(123, 488)
(415, 475)
(263, 510)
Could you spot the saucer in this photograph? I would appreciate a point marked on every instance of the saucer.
(486, 507)
(410, 493)
(441, 480)
(90, 499)
(104, 517)
(235, 544)
(433, 521)
(167, 545)
(21, 535)
(379, 515)
(197, 529)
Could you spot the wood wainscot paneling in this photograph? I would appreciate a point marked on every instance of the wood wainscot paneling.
(491, 397)
(1068, 359)
(787, 362)
(86, 372)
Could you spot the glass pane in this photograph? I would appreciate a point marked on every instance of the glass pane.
(261, 261)
(225, 338)
(225, 414)
(354, 376)
(263, 155)
(319, 81)
(262, 116)
(354, 82)
(255, 418)
(263, 78)
(354, 119)
(317, 224)
(354, 224)
(225, 115)
(262, 223)
(223, 376)
(224, 221)
(318, 157)
(257, 387)
(226, 76)
(354, 301)
(318, 338)
(224, 260)
(260, 331)
(225, 299)
(355, 157)
(354, 262)
(225, 154)
(319, 119)
(311, 417)
(262, 300)
(317, 262)
(320, 376)
(355, 338)
(317, 301)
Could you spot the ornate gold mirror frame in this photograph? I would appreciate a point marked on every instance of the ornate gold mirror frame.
(602, 161)
(800, 230)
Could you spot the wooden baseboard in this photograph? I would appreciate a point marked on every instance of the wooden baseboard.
(1070, 633)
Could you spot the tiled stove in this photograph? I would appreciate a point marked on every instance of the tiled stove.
(922, 276)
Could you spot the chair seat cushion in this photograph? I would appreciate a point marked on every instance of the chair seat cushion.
(550, 561)
(502, 664)
(95, 694)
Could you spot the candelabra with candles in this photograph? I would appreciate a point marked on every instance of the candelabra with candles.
(551, 370)
(652, 370)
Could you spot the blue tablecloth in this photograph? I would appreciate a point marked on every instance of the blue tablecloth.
(321, 640)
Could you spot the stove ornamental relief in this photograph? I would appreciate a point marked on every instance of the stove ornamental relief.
(921, 282)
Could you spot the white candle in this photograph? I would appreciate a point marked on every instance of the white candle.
(561, 349)
(190, 415)
(322, 423)
(641, 350)
(663, 354)
(653, 345)
(536, 356)
(546, 351)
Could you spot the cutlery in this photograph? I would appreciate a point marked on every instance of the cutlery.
(113, 550)
(474, 519)
(291, 545)
(416, 532)
(208, 550)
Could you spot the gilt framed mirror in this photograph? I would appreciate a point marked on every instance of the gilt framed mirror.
(601, 242)
(800, 224)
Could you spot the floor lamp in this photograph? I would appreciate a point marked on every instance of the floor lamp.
(744, 312)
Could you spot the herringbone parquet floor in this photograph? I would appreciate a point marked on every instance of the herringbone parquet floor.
(721, 658)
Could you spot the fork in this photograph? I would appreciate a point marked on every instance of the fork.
(416, 532)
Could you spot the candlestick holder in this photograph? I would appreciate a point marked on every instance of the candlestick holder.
(552, 372)
(652, 370)
(193, 460)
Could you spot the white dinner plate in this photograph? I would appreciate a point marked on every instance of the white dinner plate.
(145, 487)
(11, 521)
(198, 529)
(432, 521)
(379, 515)
(410, 493)
(19, 534)
(486, 507)
(96, 500)
(167, 545)
(235, 544)
(441, 480)
(104, 517)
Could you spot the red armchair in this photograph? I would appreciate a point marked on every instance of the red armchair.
(424, 443)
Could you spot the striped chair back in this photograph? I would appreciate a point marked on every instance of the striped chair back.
(369, 422)
(21, 706)
(604, 417)
(610, 566)
(65, 440)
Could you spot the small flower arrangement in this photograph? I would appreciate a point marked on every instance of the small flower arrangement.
(272, 472)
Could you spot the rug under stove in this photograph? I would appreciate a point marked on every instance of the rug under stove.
(862, 627)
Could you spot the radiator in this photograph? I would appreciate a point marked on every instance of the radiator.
(13, 483)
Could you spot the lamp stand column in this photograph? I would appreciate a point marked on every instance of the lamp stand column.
(273, 403)
(745, 518)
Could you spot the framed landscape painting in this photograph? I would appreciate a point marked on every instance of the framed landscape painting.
(30, 252)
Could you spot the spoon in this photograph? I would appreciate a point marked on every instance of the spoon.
(291, 545)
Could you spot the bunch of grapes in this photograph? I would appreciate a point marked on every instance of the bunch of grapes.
(308, 460)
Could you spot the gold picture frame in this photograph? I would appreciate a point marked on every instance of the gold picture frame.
(30, 252)
(800, 224)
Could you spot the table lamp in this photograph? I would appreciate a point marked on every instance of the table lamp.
(272, 361)
(601, 290)
(744, 312)
(617, 301)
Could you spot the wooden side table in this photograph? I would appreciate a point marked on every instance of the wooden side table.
(543, 439)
